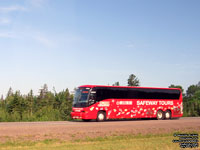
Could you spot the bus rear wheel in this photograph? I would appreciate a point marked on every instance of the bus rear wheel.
(101, 116)
(168, 114)
(160, 115)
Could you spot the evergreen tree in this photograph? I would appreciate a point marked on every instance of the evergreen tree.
(116, 83)
(30, 102)
(133, 80)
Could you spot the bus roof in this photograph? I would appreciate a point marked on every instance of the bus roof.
(92, 86)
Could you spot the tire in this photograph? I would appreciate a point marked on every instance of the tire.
(101, 116)
(160, 115)
(168, 114)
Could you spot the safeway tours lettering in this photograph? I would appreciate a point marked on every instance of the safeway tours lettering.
(154, 102)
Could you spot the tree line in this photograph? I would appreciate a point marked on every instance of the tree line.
(53, 106)
(47, 106)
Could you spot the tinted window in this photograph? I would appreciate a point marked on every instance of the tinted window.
(136, 93)
(81, 97)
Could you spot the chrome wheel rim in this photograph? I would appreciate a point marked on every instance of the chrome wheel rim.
(167, 115)
(101, 117)
(160, 115)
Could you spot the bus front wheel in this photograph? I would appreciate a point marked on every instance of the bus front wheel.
(160, 115)
(101, 116)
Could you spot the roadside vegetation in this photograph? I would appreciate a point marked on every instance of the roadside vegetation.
(53, 106)
(123, 142)
(191, 100)
(47, 106)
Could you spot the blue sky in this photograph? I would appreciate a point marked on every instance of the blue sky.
(68, 43)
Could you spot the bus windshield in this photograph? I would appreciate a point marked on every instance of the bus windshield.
(81, 97)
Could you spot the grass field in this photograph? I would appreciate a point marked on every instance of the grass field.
(124, 142)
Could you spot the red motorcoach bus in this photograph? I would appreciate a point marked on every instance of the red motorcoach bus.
(115, 102)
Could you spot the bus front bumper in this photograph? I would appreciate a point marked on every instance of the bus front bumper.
(79, 115)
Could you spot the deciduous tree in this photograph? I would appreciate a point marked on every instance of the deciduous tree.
(133, 80)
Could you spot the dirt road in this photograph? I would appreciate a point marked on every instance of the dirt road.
(67, 130)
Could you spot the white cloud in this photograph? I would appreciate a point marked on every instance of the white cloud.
(12, 9)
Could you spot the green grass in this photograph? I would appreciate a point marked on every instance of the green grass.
(123, 142)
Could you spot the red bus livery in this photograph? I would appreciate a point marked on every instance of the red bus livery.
(115, 102)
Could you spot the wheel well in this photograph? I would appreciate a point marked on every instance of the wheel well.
(102, 111)
(169, 110)
(160, 110)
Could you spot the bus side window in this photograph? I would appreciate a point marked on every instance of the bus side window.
(98, 95)
(92, 97)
